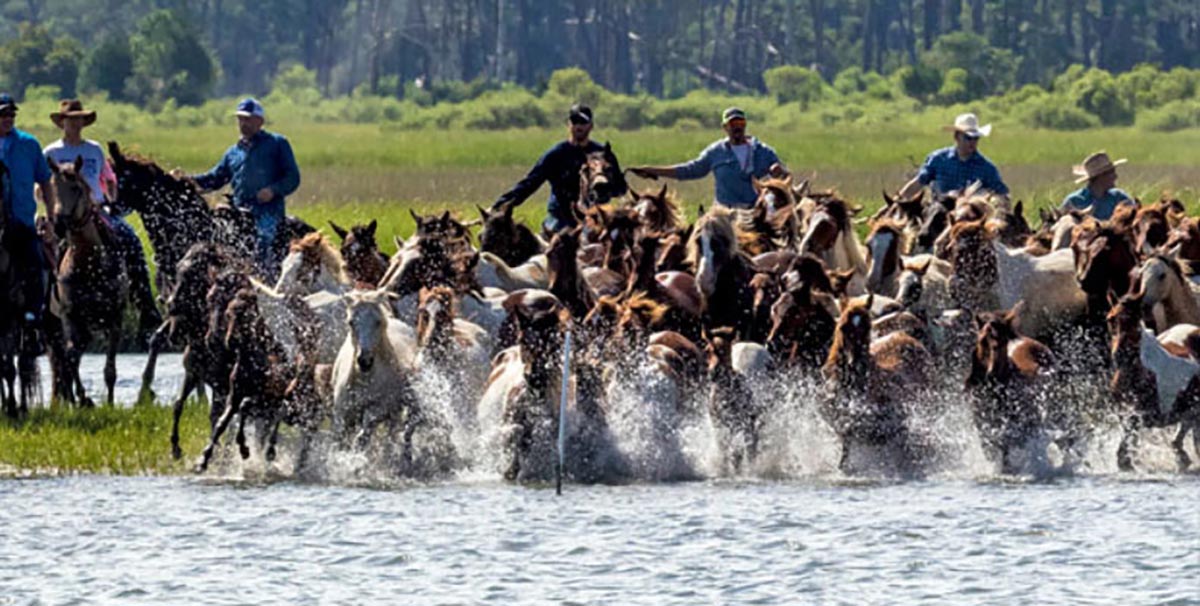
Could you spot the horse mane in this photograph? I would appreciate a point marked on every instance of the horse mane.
(316, 247)
(886, 224)
(719, 221)
(1172, 263)
(832, 368)
(650, 312)
(667, 203)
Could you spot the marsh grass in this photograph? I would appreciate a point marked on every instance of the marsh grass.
(105, 439)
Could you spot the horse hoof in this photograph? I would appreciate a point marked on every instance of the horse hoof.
(244, 451)
(270, 454)
(146, 397)
(86, 402)
(176, 452)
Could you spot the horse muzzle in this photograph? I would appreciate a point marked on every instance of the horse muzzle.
(365, 363)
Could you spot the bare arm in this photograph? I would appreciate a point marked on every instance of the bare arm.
(654, 172)
(910, 189)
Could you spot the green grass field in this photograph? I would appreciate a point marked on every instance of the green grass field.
(127, 441)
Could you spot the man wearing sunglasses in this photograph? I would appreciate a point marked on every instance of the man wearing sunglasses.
(734, 162)
(560, 165)
(953, 168)
(25, 167)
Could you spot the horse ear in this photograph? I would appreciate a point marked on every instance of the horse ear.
(1013, 314)
(662, 193)
(337, 229)
(415, 217)
(870, 301)
(800, 190)
(787, 181)
(114, 152)
(78, 164)
(888, 200)
(483, 213)
(53, 165)
(445, 217)
(920, 197)
(398, 241)
(700, 211)
(758, 186)
(1019, 209)
(607, 147)
(508, 210)
(371, 227)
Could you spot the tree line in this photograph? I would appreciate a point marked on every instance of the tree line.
(149, 51)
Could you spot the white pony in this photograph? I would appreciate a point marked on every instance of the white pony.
(1171, 298)
(373, 375)
(493, 272)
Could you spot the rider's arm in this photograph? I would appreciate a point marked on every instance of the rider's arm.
(992, 182)
(525, 187)
(43, 177)
(925, 176)
(697, 168)
(216, 178)
(290, 181)
(619, 186)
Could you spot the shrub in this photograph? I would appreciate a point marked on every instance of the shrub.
(1055, 112)
(918, 81)
(1176, 115)
(1097, 93)
(955, 87)
(575, 84)
(792, 83)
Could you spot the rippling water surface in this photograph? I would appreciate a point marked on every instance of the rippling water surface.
(1074, 540)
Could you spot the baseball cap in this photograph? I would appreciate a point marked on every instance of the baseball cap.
(250, 107)
(580, 113)
(7, 102)
(732, 113)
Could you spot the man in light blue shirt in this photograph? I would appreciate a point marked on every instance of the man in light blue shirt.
(734, 162)
(1100, 193)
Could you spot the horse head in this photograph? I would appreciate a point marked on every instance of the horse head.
(367, 318)
(435, 316)
(598, 177)
(658, 211)
(712, 247)
(883, 253)
(364, 263)
(75, 208)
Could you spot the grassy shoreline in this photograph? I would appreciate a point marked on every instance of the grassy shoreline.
(104, 440)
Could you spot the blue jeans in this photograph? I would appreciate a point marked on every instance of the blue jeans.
(266, 223)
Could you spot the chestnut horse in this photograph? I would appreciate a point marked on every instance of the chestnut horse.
(364, 263)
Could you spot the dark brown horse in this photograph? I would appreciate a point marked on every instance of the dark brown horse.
(1008, 374)
(731, 405)
(506, 237)
(93, 284)
(365, 264)
(566, 280)
(802, 327)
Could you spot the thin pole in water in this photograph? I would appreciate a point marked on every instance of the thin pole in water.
(562, 413)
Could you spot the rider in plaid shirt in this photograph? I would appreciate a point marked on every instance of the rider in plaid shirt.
(955, 167)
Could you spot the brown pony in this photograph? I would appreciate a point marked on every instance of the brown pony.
(1186, 238)
(566, 281)
(870, 381)
(1151, 226)
(507, 238)
(93, 283)
(1104, 257)
(1008, 373)
(802, 327)
(1154, 387)
(365, 264)
(723, 273)
(658, 212)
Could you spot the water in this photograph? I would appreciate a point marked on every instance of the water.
(168, 377)
(1079, 540)
(791, 529)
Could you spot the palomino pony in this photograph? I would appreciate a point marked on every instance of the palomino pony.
(364, 263)
(1169, 295)
(1156, 388)
(723, 273)
(93, 284)
(829, 234)
(312, 265)
(658, 211)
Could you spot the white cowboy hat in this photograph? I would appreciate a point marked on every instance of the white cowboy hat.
(1095, 165)
(968, 124)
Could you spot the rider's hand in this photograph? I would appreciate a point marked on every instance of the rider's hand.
(178, 173)
(266, 194)
(776, 170)
(643, 172)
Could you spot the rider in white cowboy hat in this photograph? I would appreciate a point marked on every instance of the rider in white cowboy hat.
(1100, 193)
(953, 168)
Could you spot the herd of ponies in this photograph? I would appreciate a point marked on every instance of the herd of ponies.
(1042, 335)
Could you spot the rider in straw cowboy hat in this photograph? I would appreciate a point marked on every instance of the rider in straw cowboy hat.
(1100, 193)
(72, 118)
(953, 168)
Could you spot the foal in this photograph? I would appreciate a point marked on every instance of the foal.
(364, 263)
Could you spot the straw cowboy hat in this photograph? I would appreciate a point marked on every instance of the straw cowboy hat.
(1095, 165)
(968, 124)
(72, 108)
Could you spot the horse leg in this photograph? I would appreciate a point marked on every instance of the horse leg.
(157, 341)
(1181, 455)
(243, 448)
(8, 385)
(232, 404)
(30, 380)
(1128, 443)
(189, 383)
(110, 361)
(273, 439)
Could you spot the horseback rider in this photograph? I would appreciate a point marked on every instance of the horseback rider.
(952, 169)
(21, 154)
(262, 171)
(561, 165)
(72, 118)
(734, 162)
(1100, 194)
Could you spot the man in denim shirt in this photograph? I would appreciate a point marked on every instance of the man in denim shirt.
(734, 161)
(24, 167)
(263, 172)
(953, 168)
